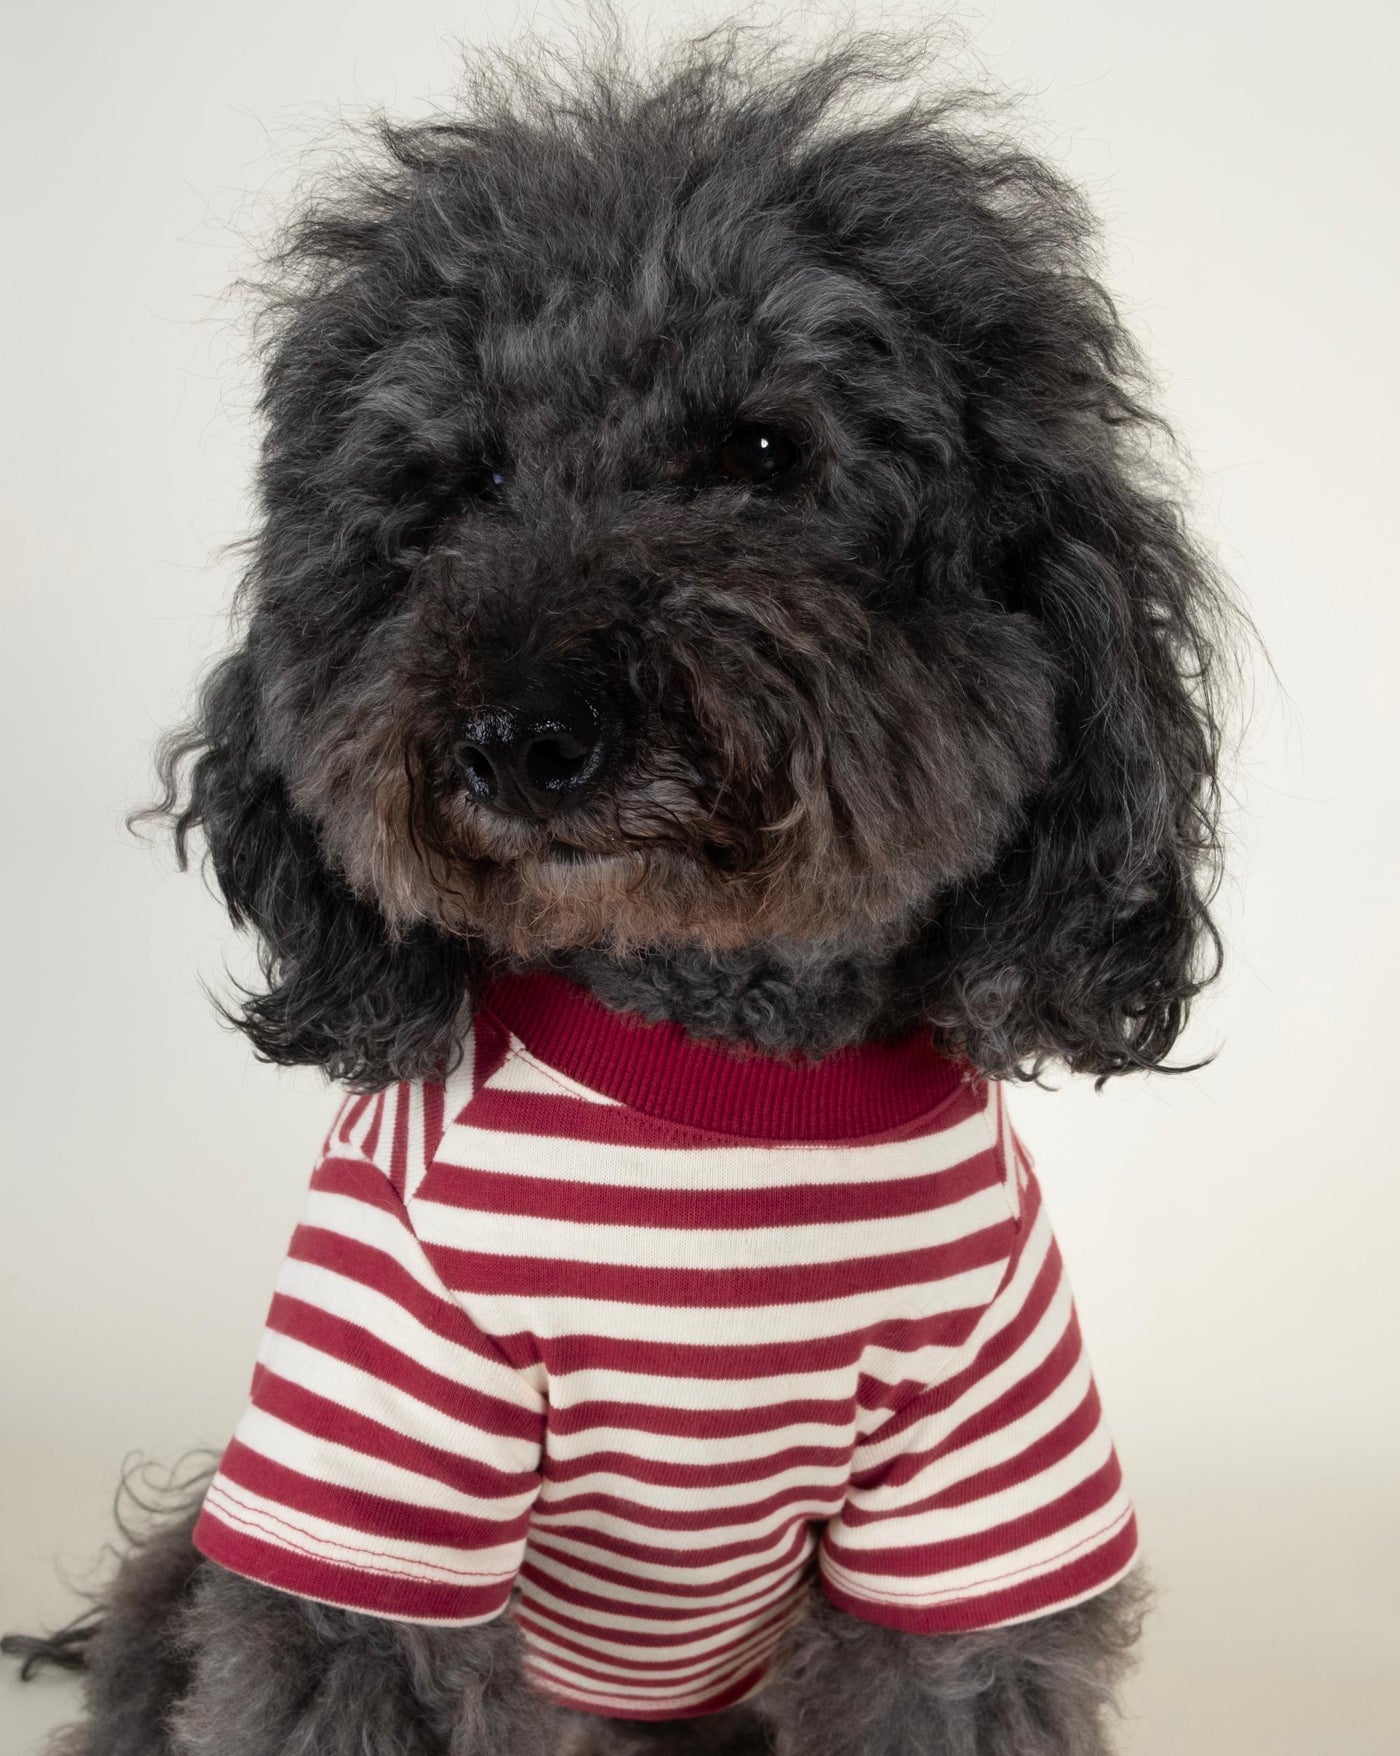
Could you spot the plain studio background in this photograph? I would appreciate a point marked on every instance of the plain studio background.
(1230, 1233)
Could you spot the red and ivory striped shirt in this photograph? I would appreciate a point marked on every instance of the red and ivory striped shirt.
(626, 1332)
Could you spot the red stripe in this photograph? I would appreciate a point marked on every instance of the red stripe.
(890, 1395)
(398, 1155)
(434, 1119)
(730, 1363)
(474, 1271)
(699, 1423)
(341, 1174)
(370, 1143)
(353, 1109)
(793, 1204)
(816, 1502)
(697, 1475)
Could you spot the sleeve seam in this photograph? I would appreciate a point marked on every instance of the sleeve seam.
(1017, 1219)
(402, 1211)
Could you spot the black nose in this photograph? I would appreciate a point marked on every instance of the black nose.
(533, 760)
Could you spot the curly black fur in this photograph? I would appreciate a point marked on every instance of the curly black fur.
(192, 1661)
(275, 1676)
(135, 1666)
(845, 1688)
(741, 1731)
(946, 692)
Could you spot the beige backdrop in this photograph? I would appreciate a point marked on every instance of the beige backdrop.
(1231, 1234)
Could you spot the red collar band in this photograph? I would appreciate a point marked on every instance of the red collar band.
(656, 1068)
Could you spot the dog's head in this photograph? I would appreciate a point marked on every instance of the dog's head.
(692, 518)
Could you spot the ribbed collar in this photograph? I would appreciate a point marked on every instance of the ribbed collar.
(658, 1069)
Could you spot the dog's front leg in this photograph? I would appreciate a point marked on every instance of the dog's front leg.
(273, 1675)
(1038, 1688)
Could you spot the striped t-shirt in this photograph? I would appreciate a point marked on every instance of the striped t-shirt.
(627, 1334)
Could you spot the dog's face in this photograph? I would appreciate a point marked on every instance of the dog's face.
(674, 631)
(688, 524)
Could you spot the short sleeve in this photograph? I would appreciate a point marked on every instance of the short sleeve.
(389, 1455)
(995, 1494)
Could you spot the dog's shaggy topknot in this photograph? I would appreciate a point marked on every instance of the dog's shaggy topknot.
(952, 698)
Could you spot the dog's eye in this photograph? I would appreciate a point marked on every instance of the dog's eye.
(757, 454)
(486, 478)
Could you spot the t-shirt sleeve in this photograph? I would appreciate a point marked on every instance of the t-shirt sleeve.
(389, 1456)
(995, 1494)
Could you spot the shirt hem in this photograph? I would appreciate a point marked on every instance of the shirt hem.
(1059, 1588)
(302, 1573)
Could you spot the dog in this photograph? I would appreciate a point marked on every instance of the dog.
(718, 654)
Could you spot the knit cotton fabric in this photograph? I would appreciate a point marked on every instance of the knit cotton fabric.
(625, 1335)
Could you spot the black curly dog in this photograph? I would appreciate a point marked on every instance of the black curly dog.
(708, 544)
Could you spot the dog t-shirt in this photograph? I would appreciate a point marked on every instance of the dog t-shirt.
(624, 1334)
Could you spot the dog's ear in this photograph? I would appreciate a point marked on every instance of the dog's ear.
(343, 991)
(1092, 934)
